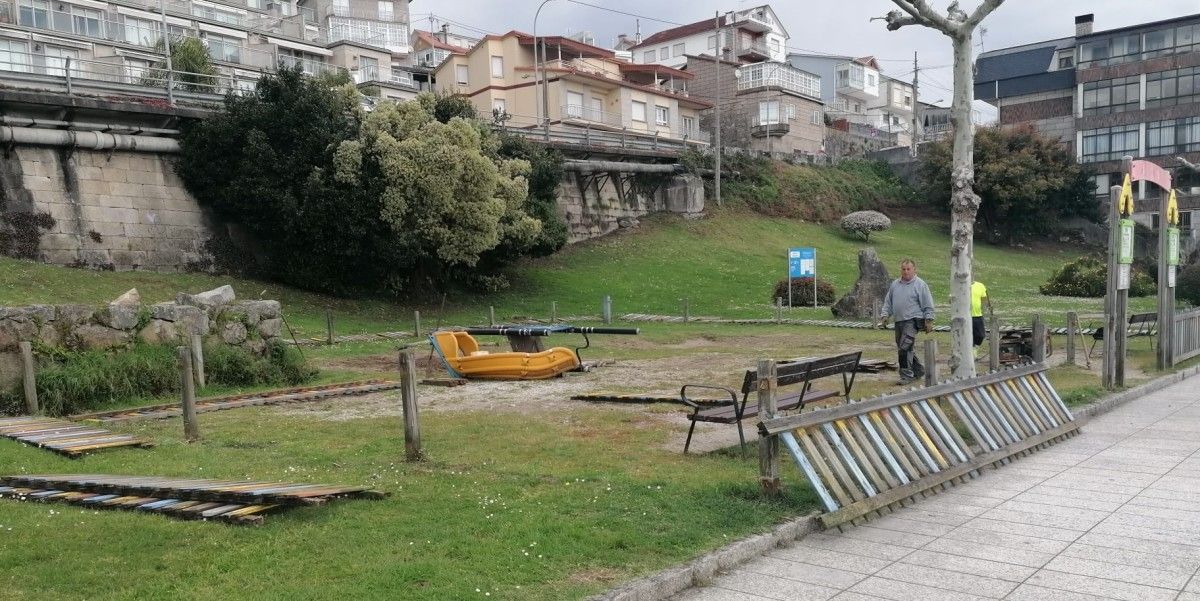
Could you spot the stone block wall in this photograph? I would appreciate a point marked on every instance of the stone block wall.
(215, 315)
(118, 210)
(595, 207)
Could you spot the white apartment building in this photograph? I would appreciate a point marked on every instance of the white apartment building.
(750, 36)
(862, 101)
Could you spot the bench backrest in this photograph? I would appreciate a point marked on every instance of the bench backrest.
(805, 370)
(1143, 318)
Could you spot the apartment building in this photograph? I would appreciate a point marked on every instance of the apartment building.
(768, 107)
(117, 45)
(1107, 94)
(430, 48)
(585, 88)
(751, 35)
(864, 104)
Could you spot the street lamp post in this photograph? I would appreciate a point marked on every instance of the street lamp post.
(539, 69)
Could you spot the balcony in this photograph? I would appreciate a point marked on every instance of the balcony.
(762, 126)
(755, 50)
(362, 13)
(756, 23)
(577, 112)
(858, 81)
(779, 76)
(307, 65)
(373, 74)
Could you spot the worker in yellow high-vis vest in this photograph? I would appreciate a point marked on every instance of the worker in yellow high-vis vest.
(979, 297)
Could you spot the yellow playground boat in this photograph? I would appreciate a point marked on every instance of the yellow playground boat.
(462, 356)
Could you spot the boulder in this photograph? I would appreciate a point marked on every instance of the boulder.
(13, 331)
(38, 313)
(159, 331)
(869, 289)
(270, 328)
(50, 335)
(74, 314)
(256, 346)
(119, 316)
(259, 310)
(191, 320)
(234, 333)
(165, 311)
(92, 337)
(131, 297)
(209, 301)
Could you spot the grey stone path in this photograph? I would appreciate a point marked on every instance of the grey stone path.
(1111, 514)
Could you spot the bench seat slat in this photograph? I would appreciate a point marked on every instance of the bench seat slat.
(727, 414)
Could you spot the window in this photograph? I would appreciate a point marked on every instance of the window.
(135, 69)
(1066, 59)
(1112, 51)
(662, 115)
(574, 106)
(815, 118)
(664, 53)
(870, 79)
(14, 56)
(387, 11)
(497, 66)
(368, 69)
(86, 21)
(1159, 43)
(142, 32)
(1111, 96)
(712, 42)
(638, 112)
(649, 56)
(678, 49)
(1110, 143)
(222, 48)
(908, 100)
(1173, 136)
(392, 35)
(499, 107)
(460, 74)
(689, 126)
(35, 13)
(217, 14)
(341, 7)
(789, 111)
(53, 61)
(776, 50)
(1169, 88)
(768, 112)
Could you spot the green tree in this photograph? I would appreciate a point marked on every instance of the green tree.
(191, 63)
(1027, 183)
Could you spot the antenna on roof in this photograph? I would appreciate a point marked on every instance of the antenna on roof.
(982, 32)
(637, 35)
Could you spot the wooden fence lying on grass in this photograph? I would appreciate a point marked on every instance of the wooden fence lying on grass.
(867, 456)
(233, 501)
(65, 437)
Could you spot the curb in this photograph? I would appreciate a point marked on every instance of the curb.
(700, 571)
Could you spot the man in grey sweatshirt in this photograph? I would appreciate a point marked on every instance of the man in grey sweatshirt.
(910, 304)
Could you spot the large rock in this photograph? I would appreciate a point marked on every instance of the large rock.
(50, 335)
(270, 328)
(159, 331)
(210, 301)
(191, 320)
(258, 310)
(11, 372)
(74, 314)
(92, 337)
(131, 297)
(869, 289)
(37, 313)
(234, 333)
(13, 331)
(119, 316)
(166, 311)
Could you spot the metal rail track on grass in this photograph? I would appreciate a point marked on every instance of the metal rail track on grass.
(273, 397)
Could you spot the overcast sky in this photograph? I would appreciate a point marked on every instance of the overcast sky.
(835, 27)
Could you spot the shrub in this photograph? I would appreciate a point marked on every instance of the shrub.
(862, 223)
(1187, 285)
(1088, 277)
(802, 291)
(81, 381)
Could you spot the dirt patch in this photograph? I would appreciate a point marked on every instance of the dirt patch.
(595, 575)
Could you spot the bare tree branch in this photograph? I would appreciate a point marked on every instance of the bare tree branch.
(896, 20)
(982, 11)
(921, 10)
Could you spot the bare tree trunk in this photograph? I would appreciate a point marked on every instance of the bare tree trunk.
(964, 204)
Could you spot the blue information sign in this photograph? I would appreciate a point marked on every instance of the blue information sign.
(802, 262)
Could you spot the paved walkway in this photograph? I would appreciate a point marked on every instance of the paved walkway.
(1111, 514)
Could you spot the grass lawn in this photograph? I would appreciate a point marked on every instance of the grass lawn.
(511, 504)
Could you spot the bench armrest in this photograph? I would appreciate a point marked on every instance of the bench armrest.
(683, 394)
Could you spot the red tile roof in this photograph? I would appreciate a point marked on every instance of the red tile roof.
(573, 45)
(680, 32)
(663, 69)
(434, 42)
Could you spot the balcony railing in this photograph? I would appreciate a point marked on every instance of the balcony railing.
(373, 74)
(779, 75)
(752, 48)
(597, 116)
(307, 65)
(364, 13)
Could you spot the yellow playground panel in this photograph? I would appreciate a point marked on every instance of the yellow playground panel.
(460, 352)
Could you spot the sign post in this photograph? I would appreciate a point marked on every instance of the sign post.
(802, 263)
(1168, 260)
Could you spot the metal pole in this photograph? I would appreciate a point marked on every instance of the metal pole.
(916, 120)
(492, 316)
(68, 74)
(166, 33)
(1166, 293)
(993, 343)
(606, 309)
(717, 106)
(408, 395)
(29, 377)
(417, 324)
(191, 430)
(553, 311)
(329, 327)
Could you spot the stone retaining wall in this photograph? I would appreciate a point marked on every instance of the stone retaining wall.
(216, 315)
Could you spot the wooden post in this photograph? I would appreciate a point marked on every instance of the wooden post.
(931, 368)
(408, 394)
(491, 316)
(993, 343)
(29, 377)
(329, 327)
(768, 448)
(606, 309)
(875, 306)
(685, 310)
(778, 309)
(1072, 326)
(1166, 292)
(417, 324)
(1116, 301)
(198, 360)
(191, 430)
(1039, 340)
(553, 311)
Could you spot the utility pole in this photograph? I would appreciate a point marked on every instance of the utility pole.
(717, 78)
(916, 119)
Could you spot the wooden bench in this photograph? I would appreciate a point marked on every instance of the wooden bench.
(798, 375)
(1140, 324)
